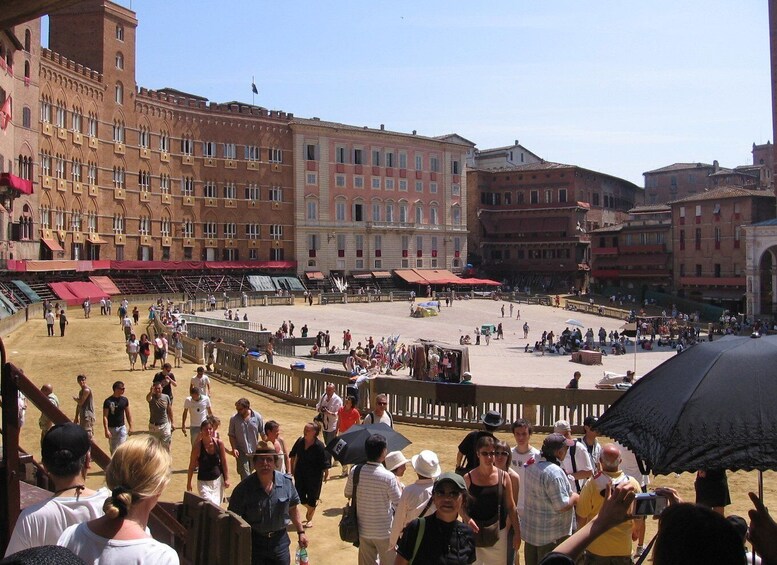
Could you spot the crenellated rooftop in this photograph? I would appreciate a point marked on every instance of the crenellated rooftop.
(185, 100)
(71, 65)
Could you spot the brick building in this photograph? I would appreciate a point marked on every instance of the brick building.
(636, 254)
(677, 181)
(19, 53)
(708, 242)
(134, 174)
(529, 223)
(371, 199)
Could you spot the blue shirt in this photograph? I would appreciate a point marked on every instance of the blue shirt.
(264, 512)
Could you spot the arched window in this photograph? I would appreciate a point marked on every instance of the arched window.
(119, 61)
(27, 40)
(120, 32)
(26, 69)
(119, 93)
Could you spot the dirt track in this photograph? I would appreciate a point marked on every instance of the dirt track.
(95, 347)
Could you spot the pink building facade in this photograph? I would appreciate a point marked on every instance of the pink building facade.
(375, 200)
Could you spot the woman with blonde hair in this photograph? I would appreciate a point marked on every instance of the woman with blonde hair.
(138, 473)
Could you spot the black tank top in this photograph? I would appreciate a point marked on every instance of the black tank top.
(485, 503)
(209, 464)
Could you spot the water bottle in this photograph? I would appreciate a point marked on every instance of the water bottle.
(301, 557)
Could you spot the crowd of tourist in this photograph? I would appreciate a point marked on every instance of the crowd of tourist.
(572, 501)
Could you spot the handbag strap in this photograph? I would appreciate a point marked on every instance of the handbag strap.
(499, 498)
(419, 537)
(356, 472)
(428, 504)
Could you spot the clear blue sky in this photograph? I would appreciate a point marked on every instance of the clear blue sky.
(616, 86)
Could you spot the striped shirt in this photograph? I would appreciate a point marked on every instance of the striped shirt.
(376, 496)
(547, 492)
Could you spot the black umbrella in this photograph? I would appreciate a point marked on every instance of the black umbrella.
(349, 447)
(710, 407)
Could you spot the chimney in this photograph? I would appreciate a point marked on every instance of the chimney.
(516, 142)
(413, 132)
(715, 166)
(382, 127)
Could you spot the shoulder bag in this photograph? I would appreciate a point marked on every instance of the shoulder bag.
(349, 525)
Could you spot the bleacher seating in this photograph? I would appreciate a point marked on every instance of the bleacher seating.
(12, 293)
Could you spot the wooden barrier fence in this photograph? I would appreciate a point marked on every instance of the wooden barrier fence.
(421, 402)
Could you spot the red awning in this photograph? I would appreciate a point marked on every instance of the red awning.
(74, 293)
(105, 284)
(52, 244)
(381, 274)
(17, 183)
(315, 275)
(410, 276)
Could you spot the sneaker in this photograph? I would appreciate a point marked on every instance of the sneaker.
(639, 552)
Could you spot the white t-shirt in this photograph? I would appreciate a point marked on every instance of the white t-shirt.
(43, 523)
(201, 383)
(198, 409)
(96, 549)
(518, 464)
(582, 463)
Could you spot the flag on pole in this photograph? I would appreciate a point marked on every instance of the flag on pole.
(253, 88)
(5, 113)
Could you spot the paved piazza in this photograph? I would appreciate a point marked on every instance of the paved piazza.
(503, 362)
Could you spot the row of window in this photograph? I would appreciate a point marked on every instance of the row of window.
(315, 240)
(146, 253)
(635, 239)
(717, 237)
(378, 183)
(380, 212)
(520, 254)
(715, 209)
(57, 115)
(388, 158)
(57, 219)
(717, 270)
(359, 264)
(549, 196)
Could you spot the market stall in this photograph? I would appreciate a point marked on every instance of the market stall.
(438, 361)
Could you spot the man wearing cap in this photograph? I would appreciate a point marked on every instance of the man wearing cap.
(416, 500)
(467, 458)
(376, 496)
(589, 442)
(549, 513)
(268, 501)
(65, 455)
(117, 419)
(244, 430)
(577, 463)
(613, 547)
(444, 538)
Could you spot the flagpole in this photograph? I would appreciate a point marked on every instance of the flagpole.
(253, 96)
